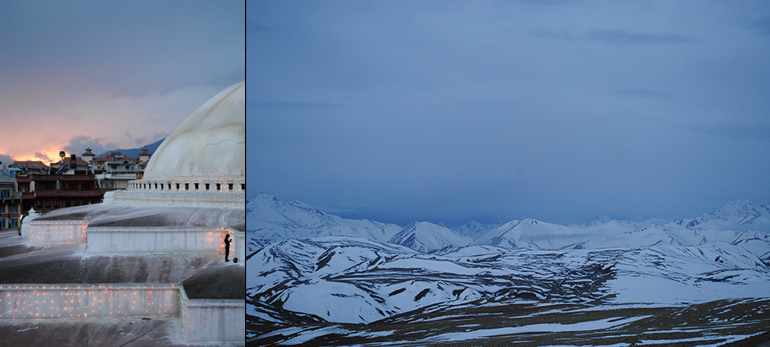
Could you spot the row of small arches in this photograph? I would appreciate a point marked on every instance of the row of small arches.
(228, 187)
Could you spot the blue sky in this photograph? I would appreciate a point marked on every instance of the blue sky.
(110, 74)
(563, 111)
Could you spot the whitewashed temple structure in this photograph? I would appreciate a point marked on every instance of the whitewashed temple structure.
(155, 249)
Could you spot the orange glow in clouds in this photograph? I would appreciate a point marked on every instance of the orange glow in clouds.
(52, 153)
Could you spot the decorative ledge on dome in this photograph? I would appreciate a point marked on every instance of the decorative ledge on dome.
(191, 185)
(214, 192)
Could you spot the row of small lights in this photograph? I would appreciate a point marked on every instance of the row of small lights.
(96, 303)
(210, 235)
(64, 232)
(218, 236)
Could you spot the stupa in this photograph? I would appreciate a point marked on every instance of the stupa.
(155, 249)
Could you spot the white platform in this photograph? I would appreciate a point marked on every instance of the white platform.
(34, 301)
(213, 319)
(157, 240)
(230, 200)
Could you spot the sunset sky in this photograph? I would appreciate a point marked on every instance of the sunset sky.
(115, 74)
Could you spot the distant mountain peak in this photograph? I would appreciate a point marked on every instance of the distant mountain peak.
(740, 208)
(269, 219)
(427, 237)
(134, 152)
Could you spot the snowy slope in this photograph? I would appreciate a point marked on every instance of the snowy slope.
(342, 279)
(270, 220)
(348, 280)
(427, 237)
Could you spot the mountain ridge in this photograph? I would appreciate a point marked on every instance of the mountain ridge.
(134, 152)
(271, 220)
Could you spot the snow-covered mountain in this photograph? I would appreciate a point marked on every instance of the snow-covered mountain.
(739, 223)
(427, 237)
(530, 233)
(474, 229)
(349, 280)
(270, 220)
(737, 215)
(302, 271)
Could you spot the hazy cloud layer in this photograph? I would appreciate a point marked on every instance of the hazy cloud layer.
(562, 111)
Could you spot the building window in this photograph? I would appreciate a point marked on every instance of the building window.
(186, 186)
(85, 186)
(5, 193)
(2, 223)
(243, 186)
(219, 186)
(13, 222)
(2, 208)
(75, 201)
(177, 186)
(156, 186)
(196, 186)
(56, 204)
(40, 203)
(67, 203)
(48, 203)
(13, 209)
(207, 186)
(46, 186)
(72, 186)
(230, 186)
(83, 201)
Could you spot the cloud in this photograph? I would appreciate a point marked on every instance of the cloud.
(630, 37)
(6, 159)
(78, 145)
(45, 158)
(614, 36)
(643, 93)
(548, 34)
(756, 132)
(761, 25)
(294, 105)
(259, 28)
(146, 140)
(125, 49)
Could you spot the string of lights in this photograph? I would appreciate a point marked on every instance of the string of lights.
(57, 232)
(25, 301)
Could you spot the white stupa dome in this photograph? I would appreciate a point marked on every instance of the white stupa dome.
(209, 143)
(202, 163)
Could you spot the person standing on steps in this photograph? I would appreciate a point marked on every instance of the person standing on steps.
(227, 247)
